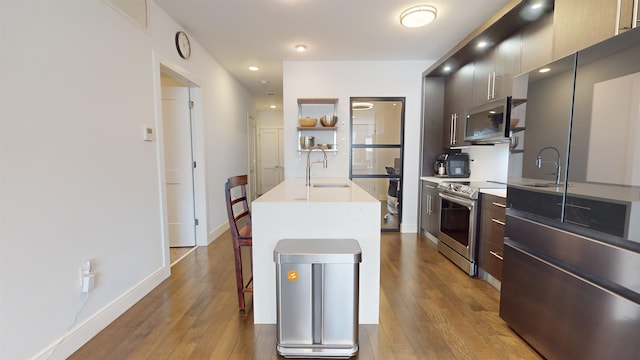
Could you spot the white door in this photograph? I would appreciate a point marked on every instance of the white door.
(253, 158)
(271, 158)
(178, 161)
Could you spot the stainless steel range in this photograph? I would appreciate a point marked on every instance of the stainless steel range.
(458, 222)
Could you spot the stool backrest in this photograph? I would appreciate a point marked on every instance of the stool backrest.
(237, 204)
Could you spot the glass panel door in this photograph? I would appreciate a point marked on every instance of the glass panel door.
(376, 142)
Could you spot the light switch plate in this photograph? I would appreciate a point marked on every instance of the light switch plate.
(149, 134)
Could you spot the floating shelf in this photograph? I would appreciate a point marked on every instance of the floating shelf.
(516, 102)
(317, 128)
(316, 108)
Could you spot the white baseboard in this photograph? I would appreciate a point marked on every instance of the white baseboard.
(83, 332)
(409, 228)
(215, 233)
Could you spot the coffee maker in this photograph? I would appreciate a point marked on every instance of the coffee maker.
(440, 166)
(452, 165)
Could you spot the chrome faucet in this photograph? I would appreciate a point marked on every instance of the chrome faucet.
(556, 163)
(324, 162)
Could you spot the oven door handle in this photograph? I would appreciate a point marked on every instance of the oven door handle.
(464, 202)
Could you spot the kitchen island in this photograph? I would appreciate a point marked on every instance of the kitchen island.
(329, 209)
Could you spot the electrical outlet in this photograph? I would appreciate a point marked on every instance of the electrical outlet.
(88, 282)
(86, 267)
(87, 278)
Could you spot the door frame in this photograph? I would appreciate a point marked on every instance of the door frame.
(253, 156)
(402, 100)
(179, 93)
(198, 151)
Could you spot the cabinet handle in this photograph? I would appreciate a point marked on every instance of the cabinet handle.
(496, 255)
(451, 138)
(489, 87)
(575, 206)
(493, 86)
(454, 129)
(579, 207)
(498, 222)
(429, 204)
(499, 205)
(576, 223)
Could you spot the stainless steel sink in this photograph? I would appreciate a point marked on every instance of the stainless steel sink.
(330, 185)
(545, 184)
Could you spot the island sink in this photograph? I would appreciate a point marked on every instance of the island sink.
(544, 184)
(330, 185)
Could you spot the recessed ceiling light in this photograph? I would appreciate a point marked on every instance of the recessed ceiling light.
(254, 68)
(273, 106)
(301, 48)
(536, 6)
(418, 16)
(264, 82)
(447, 68)
(544, 70)
(482, 44)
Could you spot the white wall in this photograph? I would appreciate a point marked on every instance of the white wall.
(345, 79)
(78, 83)
(269, 119)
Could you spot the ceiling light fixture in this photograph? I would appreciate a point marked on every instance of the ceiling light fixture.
(273, 106)
(301, 48)
(254, 68)
(544, 70)
(362, 106)
(418, 16)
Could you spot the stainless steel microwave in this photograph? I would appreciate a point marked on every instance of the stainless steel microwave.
(489, 122)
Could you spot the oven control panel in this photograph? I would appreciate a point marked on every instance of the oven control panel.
(459, 189)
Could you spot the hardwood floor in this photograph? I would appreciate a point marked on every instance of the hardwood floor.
(177, 253)
(429, 309)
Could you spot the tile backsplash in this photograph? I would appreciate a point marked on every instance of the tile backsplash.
(489, 162)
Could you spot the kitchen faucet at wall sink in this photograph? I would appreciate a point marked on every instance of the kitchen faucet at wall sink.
(556, 163)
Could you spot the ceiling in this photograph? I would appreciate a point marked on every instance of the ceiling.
(243, 33)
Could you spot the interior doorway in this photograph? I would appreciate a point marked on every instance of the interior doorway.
(177, 132)
(253, 157)
(377, 147)
(270, 158)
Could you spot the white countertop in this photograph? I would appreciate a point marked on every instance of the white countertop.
(496, 192)
(295, 190)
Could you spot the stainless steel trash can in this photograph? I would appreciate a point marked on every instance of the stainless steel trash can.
(317, 285)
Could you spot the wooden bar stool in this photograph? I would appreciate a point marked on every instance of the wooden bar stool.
(240, 228)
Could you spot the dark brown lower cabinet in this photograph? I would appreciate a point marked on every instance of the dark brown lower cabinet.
(492, 217)
(570, 296)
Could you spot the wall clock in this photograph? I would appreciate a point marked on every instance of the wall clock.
(183, 45)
